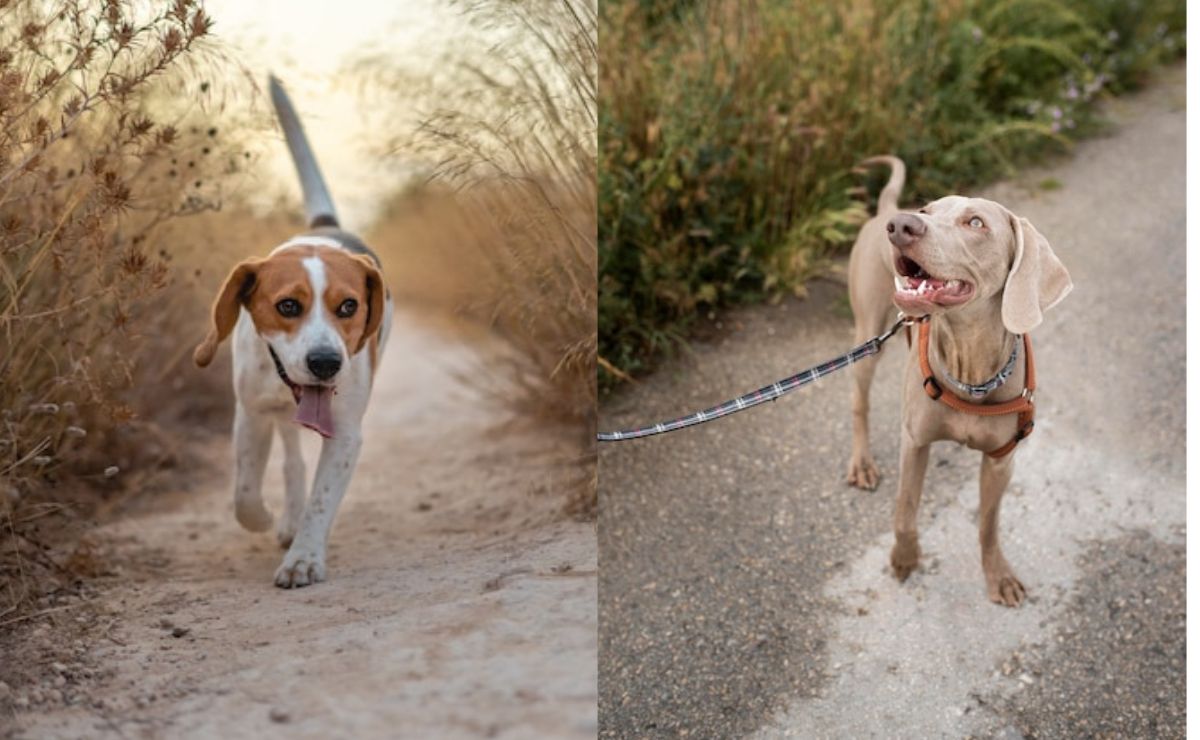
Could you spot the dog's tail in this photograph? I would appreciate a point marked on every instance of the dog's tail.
(889, 197)
(318, 205)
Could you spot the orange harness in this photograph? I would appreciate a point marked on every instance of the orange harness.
(1022, 405)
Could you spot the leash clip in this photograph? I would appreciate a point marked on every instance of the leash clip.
(902, 319)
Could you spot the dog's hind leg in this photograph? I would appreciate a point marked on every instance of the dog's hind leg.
(1002, 585)
(252, 447)
(293, 483)
(872, 308)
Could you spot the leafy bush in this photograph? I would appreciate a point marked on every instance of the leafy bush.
(730, 130)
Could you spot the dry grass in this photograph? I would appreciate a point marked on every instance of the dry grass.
(505, 229)
(99, 154)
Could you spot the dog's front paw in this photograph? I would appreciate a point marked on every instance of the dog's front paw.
(300, 568)
(906, 554)
(862, 472)
(1003, 587)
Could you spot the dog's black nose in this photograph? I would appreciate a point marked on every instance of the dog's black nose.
(905, 228)
(324, 364)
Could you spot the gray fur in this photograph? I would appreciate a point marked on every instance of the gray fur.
(318, 204)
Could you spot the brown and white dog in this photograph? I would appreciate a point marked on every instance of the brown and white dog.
(310, 322)
(983, 276)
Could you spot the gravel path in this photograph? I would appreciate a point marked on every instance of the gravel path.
(745, 589)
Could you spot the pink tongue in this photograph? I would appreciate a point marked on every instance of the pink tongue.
(315, 409)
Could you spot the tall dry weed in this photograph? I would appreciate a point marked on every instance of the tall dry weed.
(90, 172)
(510, 129)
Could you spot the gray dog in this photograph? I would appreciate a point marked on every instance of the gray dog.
(983, 276)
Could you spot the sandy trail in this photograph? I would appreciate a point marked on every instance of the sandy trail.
(459, 604)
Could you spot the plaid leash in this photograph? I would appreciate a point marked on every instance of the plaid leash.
(764, 394)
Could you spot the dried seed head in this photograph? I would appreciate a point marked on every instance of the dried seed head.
(43, 408)
(76, 432)
(171, 41)
(201, 24)
(111, 471)
(134, 262)
(48, 80)
(42, 460)
(140, 126)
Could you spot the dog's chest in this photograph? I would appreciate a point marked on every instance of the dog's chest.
(983, 433)
(929, 421)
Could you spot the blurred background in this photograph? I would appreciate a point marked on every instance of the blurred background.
(140, 160)
(730, 133)
(319, 56)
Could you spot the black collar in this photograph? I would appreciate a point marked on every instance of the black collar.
(295, 389)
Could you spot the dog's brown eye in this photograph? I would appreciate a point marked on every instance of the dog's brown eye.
(975, 223)
(289, 308)
(347, 309)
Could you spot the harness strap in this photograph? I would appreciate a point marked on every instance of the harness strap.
(1022, 406)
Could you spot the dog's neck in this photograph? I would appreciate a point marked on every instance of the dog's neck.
(971, 343)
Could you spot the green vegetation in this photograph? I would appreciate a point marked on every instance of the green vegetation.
(729, 131)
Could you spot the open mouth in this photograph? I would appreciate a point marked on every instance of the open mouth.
(918, 290)
(314, 403)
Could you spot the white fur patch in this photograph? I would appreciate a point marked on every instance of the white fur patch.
(308, 241)
(316, 332)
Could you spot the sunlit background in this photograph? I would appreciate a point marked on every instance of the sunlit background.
(316, 48)
(140, 162)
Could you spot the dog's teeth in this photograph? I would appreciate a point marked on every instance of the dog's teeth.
(953, 284)
(924, 287)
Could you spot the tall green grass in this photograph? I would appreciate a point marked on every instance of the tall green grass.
(729, 130)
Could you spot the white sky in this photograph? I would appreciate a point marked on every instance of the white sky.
(307, 43)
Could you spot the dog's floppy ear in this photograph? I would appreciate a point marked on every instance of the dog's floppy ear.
(376, 292)
(238, 287)
(1036, 281)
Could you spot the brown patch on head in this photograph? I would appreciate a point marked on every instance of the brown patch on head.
(257, 285)
(353, 277)
(238, 285)
(281, 276)
(260, 285)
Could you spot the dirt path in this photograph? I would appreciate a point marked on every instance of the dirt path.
(458, 603)
(745, 588)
